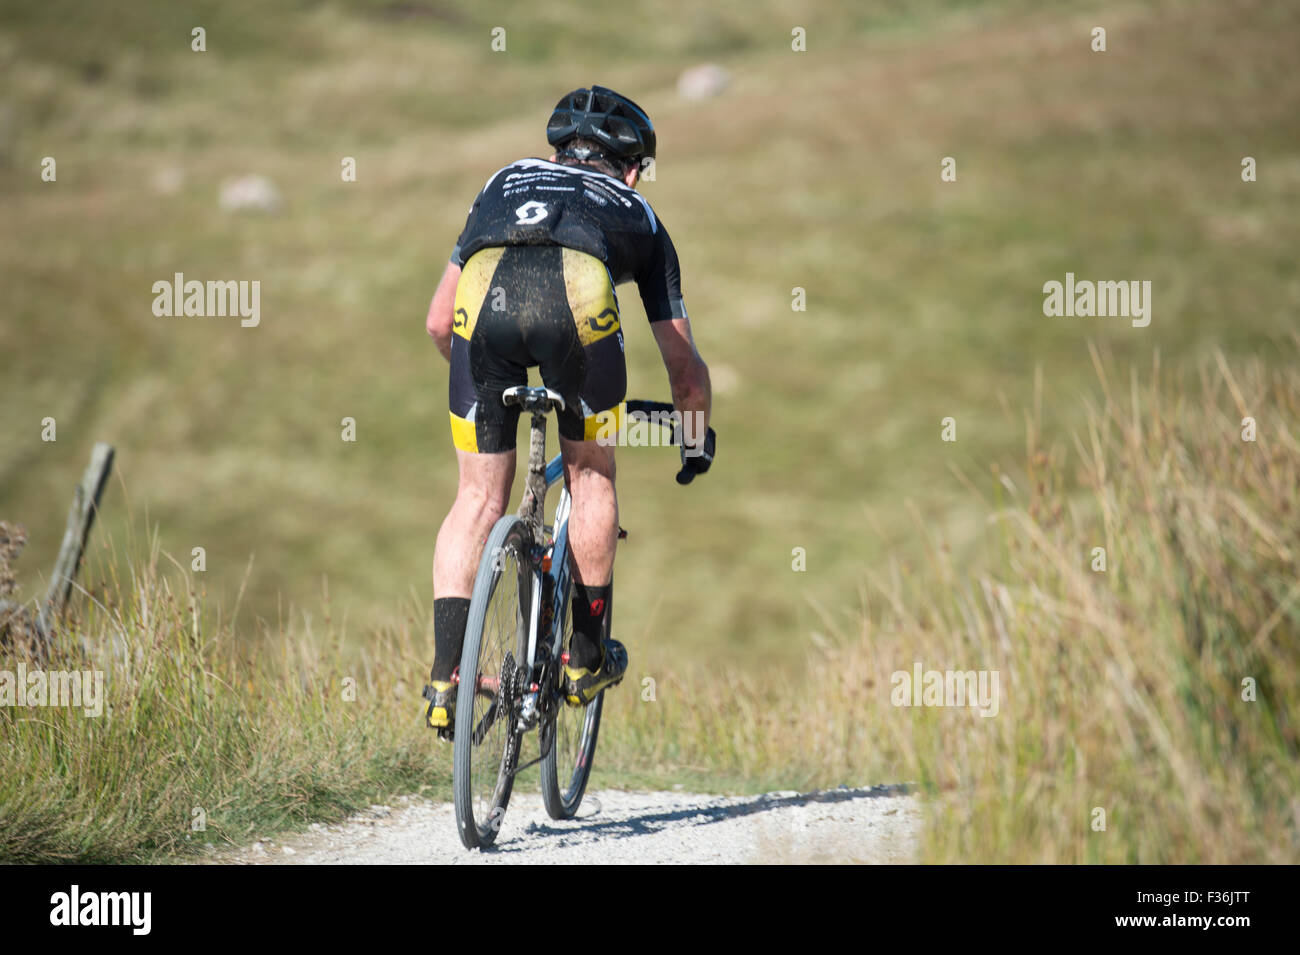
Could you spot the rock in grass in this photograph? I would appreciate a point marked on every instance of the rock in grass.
(250, 194)
(703, 82)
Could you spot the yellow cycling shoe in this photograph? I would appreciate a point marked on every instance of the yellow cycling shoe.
(441, 714)
(583, 685)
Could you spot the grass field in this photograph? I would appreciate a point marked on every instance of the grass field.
(818, 170)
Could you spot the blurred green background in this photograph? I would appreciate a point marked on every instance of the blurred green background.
(816, 169)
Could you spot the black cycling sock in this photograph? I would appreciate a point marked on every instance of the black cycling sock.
(590, 624)
(449, 617)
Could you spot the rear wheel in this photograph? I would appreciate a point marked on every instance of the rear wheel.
(487, 737)
(566, 767)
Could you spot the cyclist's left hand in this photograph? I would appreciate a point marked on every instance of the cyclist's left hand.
(697, 460)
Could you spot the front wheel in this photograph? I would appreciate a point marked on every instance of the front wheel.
(487, 736)
(566, 767)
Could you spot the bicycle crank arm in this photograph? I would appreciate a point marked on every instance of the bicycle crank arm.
(527, 765)
(485, 724)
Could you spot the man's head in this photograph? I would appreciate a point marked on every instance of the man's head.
(599, 128)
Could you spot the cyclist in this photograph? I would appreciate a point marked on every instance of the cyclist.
(531, 282)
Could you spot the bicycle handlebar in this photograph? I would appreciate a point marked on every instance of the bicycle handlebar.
(665, 410)
(555, 470)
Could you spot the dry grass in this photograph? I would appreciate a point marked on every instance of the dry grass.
(257, 735)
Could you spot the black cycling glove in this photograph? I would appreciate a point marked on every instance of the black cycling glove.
(699, 460)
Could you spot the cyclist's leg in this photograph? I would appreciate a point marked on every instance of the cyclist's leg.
(483, 364)
(593, 380)
(593, 538)
(593, 521)
(481, 498)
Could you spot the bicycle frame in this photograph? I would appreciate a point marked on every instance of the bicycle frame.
(559, 570)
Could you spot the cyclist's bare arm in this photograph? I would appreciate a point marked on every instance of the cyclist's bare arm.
(688, 376)
(438, 321)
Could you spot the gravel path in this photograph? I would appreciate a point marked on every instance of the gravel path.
(878, 825)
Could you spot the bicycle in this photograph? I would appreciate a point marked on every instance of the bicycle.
(515, 645)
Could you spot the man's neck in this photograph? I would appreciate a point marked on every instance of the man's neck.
(590, 166)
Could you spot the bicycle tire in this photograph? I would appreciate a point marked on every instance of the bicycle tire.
(571, 753)
(489, 645)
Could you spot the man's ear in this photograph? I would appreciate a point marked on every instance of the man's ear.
(553, 157)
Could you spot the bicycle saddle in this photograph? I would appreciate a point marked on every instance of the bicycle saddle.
(532, 399)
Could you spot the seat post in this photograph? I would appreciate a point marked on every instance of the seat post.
(531, 508)
(538, 402)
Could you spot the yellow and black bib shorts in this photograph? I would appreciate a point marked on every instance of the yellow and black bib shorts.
(544, 305)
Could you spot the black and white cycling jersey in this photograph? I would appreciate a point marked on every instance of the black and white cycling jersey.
(536, 202)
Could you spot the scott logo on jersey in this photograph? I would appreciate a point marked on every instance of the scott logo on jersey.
(530, 212)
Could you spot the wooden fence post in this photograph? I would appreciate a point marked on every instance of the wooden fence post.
(85, 504)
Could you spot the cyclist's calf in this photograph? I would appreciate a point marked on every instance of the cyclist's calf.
(593, 520)
(481, 498)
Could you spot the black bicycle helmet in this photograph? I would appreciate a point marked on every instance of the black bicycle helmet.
(605, 117)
